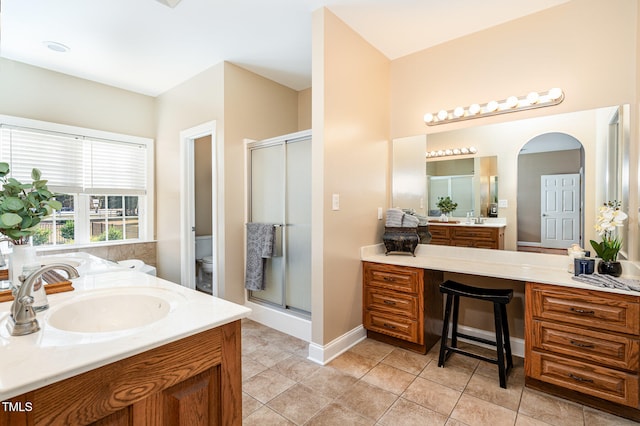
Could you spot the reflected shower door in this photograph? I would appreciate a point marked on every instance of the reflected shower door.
(280, 193)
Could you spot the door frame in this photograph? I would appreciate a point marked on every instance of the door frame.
(187, 206)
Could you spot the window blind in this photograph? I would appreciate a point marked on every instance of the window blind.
(75, 164)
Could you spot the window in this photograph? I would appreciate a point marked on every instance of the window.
(103, 180)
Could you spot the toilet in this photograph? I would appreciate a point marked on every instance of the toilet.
(204, 260)
(205, 275)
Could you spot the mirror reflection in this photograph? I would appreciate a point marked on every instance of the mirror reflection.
(472, 183)
(600, 143)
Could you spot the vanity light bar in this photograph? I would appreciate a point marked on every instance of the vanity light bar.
(511, 104)
(454, 151)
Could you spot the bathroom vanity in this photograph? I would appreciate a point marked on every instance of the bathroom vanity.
(140, 350)
(580, 342)
(486, 235)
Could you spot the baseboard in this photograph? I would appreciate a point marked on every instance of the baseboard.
(281, 321)
(323, 354)
(517, 344)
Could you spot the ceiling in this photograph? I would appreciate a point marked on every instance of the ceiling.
(148, 47)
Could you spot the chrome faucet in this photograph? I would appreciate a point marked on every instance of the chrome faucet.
(23, 320)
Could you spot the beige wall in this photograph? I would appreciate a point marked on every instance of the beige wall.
(350, 158)
(304, 109)
(196, 101)
(589, 48)
(31, 92)
(244, 105)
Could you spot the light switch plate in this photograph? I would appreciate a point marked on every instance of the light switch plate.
(503, 204)
(335, 202)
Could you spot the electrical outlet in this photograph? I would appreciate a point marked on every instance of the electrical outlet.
(335, 202)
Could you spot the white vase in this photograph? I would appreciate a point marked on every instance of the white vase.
(23, 261)
(21, 255)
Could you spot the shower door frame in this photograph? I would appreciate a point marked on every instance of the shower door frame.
(281, 228)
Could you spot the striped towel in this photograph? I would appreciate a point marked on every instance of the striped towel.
(607, 281)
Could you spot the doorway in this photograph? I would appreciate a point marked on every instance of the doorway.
(555, 154)
(188, 193)
(560, 210)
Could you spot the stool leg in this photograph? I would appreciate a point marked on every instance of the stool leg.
(454, 329)
(507, 341)
(445, 332)
(499, 345)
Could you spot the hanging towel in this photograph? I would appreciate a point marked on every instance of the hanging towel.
(260, 239)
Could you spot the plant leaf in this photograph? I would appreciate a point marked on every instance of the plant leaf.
(11, 219)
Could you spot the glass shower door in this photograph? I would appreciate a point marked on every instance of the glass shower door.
(280, 193)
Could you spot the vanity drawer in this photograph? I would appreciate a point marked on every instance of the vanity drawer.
(391, 277)
(609, 349)
(394, 326)
(601, 382)
(473, 233)
(439, 232)
(394, 303)
(593, 309)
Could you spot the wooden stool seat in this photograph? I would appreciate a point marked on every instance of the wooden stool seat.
(499, 298)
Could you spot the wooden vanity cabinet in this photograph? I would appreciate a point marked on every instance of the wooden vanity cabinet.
(398, 308)
(467, 236)
(584, 345)
(193, 381)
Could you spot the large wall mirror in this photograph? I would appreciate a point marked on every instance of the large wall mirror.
(592, 145)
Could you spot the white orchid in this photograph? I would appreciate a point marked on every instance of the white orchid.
(608, 220)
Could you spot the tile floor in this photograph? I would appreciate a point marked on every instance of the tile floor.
(377, 384)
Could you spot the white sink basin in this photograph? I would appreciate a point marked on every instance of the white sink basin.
(109, 312)
(48, 260)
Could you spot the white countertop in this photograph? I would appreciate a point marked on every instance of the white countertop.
(514, 265)
(50, 355)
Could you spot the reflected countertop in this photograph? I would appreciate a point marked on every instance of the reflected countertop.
(51, 355)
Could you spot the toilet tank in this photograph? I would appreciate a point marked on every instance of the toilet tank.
(204, 246)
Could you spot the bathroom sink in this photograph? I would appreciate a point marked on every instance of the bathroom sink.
(131, 263)
(48, 260)
(109, 312)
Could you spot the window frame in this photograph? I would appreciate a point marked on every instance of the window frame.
(81, 201)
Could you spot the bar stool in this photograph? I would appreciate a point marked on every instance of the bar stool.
(499, 298)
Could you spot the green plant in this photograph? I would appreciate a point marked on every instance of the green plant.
(67, 230)
(41, 236)
(23, 205)
(114, 234)
(609, 218)
(446, 205)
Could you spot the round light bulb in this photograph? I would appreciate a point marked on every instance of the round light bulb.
(428, 117)
(472, 149)
(512, 102)
(474, 109)
(533, 98)
(492, 106)
(464, 150)
(433, 154)
(555, 94)
(442, 114)
(440, 153)
(458, 112)
(448, 152)
(456, 151)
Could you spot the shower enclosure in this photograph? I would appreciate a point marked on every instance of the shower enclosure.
(280, 193)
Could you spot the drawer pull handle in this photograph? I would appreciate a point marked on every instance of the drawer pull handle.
(581, 345)
(580, 379)
(389, 302)
(389, 279)
(392, 327)
(582, 311)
